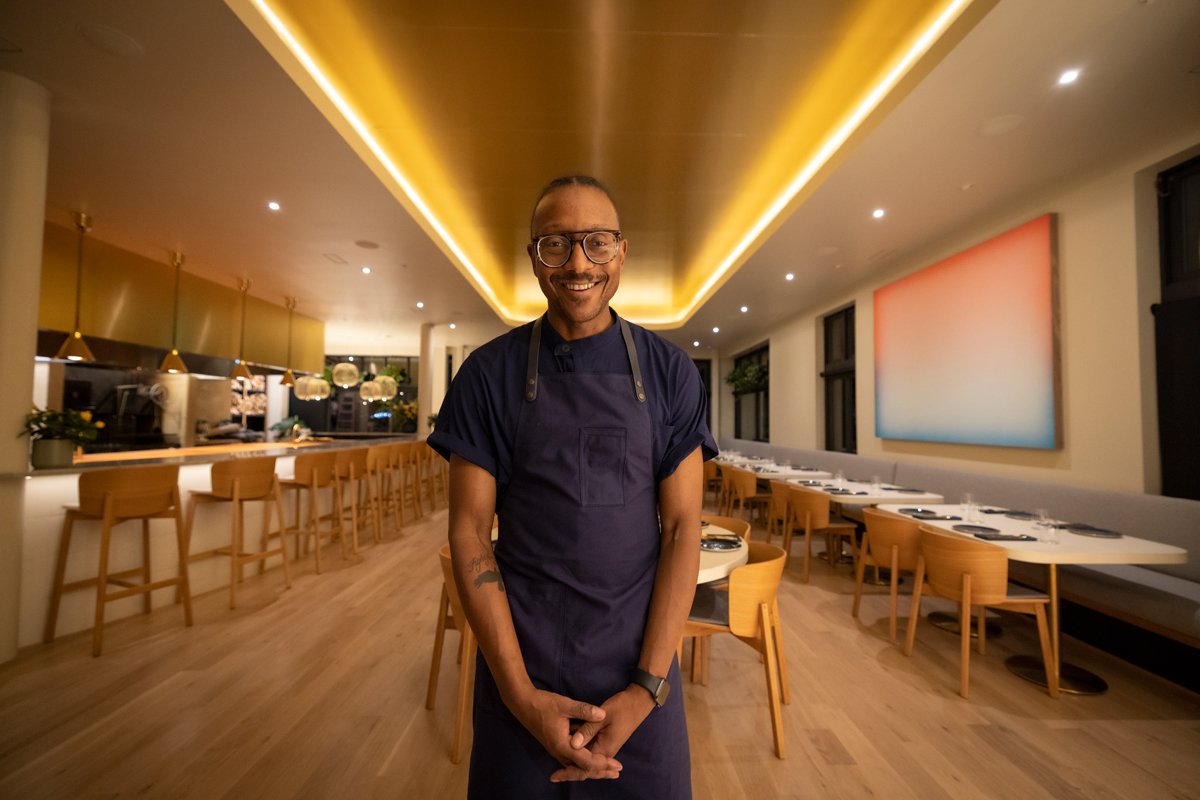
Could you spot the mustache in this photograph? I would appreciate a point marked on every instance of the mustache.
(578, 277)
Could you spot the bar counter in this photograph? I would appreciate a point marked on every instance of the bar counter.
(47, 491)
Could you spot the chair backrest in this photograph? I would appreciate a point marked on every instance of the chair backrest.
(322, 464)
(780, 492)
(351, 457)
(885, 531)
(949, 557)
(743, 481)
(736, 524)
(809, 507)
(254, 477)
(456, 609)
(135, 491)
(379, 458)
(752, 585)
(710, 470)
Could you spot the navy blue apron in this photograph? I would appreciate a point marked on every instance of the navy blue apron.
(578, 549)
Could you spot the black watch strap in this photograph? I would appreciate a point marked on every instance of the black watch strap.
(656, 686)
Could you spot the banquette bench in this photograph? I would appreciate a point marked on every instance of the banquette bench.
(1163, 598)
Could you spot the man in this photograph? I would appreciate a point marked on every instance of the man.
(586, 436)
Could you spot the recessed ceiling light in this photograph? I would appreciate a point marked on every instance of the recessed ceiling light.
(420, 304)
(789, 277)
(273, 205)
(366, 270)
(696, 343)
(351, 358)
(1070, 76)
(716, 330)
(745, 309)
(878, 213)
(453, 326)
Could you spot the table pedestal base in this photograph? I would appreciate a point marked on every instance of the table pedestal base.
(949, 623)
(1071, 679)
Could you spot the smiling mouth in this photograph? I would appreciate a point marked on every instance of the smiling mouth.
(578, 286)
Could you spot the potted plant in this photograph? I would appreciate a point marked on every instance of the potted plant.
(748, 377)
(56, 434)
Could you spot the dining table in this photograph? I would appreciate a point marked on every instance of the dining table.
(1055, 542)
(864, 493)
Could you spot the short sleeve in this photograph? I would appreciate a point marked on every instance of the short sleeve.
(687, 416)
(467, 424)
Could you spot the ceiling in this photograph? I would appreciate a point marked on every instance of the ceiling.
(173, 126)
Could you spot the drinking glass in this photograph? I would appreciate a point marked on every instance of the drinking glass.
(875, 484)
(840, 479)
(1047, 532)
(967, 506)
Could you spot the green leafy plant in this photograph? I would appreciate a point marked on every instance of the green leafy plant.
(748, 377)
(283, 428)
(75, 426)
(432, 420)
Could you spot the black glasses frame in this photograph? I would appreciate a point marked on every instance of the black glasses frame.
(575, 238)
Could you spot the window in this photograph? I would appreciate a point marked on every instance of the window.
(751, 406)
(841, 428)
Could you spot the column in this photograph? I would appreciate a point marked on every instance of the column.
(24, 151)
(425, 381)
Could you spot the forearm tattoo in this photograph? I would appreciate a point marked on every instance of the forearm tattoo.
(488, 569)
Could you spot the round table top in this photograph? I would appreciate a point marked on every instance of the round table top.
(717, 564)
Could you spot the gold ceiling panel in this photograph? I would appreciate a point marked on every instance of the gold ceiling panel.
(710, 121)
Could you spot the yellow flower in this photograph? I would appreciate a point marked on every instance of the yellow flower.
(99, 424)
(87, 416)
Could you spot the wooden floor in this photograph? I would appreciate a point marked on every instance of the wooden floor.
(317, 692)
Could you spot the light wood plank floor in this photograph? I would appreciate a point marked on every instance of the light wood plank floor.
(318, 692)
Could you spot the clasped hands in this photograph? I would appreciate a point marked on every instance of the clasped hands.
(589, 750)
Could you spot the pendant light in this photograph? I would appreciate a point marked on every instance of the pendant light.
(172, 362)
(75, 348)
(240, 371)
(288, 378)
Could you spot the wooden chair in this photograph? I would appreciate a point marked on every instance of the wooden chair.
(974, 573)
(777, 509)
(748, 610)
(450, 617)
(809, 510)
(889, 541)
(237, 482)
(113, 496)
(740, 488)
(314, 472)
(357, 491)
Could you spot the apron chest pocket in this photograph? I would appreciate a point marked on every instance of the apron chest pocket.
(602, 466)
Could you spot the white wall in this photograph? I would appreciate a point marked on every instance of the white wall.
(1108, 277)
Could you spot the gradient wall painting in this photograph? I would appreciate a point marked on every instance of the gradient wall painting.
(965, 350)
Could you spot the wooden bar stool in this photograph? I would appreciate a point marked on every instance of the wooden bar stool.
(357, 491)
(113, 496)
(409, 467)
(431, 475)
(451, 617)
(237, 482)
(380, 474)
(314, 472)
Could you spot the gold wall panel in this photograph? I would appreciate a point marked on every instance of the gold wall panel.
(130, 298)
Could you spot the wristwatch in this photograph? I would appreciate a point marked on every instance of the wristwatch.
(656, 686)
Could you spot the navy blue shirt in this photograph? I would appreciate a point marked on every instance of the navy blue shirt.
(478, 418)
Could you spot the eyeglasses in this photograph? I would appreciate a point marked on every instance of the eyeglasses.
(600, 247)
